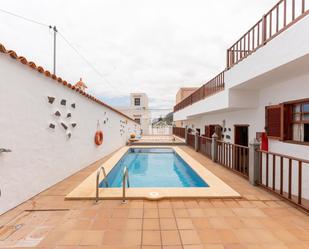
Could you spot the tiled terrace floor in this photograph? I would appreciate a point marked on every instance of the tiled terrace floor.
(258, 220)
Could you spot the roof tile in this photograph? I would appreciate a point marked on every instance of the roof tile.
(47, 73)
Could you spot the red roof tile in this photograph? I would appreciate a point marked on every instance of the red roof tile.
(40, 69)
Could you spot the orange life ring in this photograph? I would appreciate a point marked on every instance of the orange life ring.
(98, 138)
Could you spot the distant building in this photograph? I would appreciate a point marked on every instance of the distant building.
(81, 85)
(139, 110)
(183, 93)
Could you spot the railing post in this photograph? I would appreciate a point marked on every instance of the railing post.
(186, 135)
(228, 59)
(214, 147)
(264, 30)
(254, 162)
(196, 143)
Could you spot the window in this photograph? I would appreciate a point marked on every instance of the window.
(288, 121)
(137, 101)
(306, 132)
(273, 121)
(300, 122)
(137, 120)
(211, 129)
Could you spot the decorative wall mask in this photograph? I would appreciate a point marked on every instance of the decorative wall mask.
(227, 133)
(67, 126)
(64, 125)
(105, 121)
(51, 99)
(122, 127)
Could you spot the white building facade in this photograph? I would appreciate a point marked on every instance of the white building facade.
(139, 111)
(47, 129)
(264, 89)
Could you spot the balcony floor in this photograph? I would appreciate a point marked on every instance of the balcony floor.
(258, 220)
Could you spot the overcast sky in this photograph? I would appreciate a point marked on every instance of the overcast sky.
(151, 46)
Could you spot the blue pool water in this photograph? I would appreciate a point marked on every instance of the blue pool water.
(154, 167)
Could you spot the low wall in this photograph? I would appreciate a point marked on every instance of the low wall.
(47, 148)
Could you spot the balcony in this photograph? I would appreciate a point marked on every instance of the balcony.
(281, 17)
(212, 87)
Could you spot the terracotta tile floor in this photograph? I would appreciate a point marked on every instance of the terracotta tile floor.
(257, 221)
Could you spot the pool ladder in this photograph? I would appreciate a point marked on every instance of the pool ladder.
(98, 182)
(125, 182)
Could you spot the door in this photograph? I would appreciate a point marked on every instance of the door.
(241, 135)
(241, 154)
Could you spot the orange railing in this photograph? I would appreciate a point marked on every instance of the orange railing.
(211, 87)
(279, 18)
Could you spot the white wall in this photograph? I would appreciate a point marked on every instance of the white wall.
(143, 100)
(291, 89)
(287, 47)
(42, 156)
(275, 73)
(142, 114)
(212, 103)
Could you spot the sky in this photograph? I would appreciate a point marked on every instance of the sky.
(151, 46)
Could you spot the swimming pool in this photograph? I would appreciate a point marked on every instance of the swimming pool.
(154, 167)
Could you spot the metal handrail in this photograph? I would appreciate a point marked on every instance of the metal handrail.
(125, 179)
(98, 183)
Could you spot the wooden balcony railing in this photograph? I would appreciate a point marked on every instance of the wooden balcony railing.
(179, 132)
(284, 14)
(234, 157)
(211, 87)
(283, 175)
(204, 146)
(191, 140)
